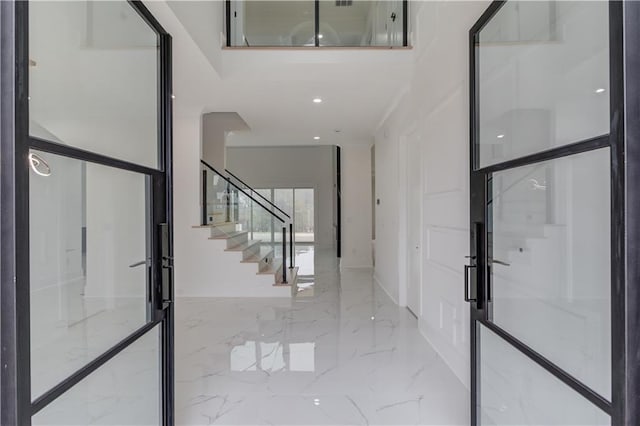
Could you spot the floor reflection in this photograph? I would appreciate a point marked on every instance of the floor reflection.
(304, 259)
(272, 357)
(339, 352)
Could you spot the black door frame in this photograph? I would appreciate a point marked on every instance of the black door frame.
(624, 143)
(16, 406)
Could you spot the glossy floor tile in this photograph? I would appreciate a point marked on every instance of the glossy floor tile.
(339, 353)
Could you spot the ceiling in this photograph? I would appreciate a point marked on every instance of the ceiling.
(273, 90)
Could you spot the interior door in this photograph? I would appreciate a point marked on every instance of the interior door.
(414, 223)
(93, 165)
(539, 277)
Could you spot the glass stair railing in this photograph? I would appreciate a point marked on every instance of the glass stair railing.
(239, 183)
(241, 213)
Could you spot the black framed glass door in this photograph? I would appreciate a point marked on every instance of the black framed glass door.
(545, 278)
(87, 314)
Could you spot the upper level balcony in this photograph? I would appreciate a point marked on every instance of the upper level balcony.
(317, 24)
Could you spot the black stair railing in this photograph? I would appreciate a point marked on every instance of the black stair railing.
(253, 191)
(223, 189)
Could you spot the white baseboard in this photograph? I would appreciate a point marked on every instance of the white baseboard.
(459, 368)
(342, 266)
(377, 281)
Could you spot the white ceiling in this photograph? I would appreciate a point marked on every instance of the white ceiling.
(272, 90)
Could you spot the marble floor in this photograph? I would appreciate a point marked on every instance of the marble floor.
(339, 353)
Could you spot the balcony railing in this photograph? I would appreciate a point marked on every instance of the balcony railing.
(319, 23)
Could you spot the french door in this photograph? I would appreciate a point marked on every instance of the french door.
(551, 272)
(87, 314)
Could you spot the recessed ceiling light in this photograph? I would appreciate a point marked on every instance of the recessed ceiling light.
(320, 36)
(316, 138)
(600, 90)
(317, 100)
(173, 96)
(500, 136)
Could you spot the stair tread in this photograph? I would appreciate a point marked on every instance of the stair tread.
(257, 258)
(229, 235)
(214, 225)
(243, 246)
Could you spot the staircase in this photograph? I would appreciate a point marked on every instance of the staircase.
(252, 251)
(228, 212)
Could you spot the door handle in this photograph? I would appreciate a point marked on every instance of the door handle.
(166, 277)
(467, 268)
(142, 262)
(500, 262)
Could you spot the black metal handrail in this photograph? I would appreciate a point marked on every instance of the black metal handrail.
(290, 264)
(284, 255)
(243, 191)
(257, 193)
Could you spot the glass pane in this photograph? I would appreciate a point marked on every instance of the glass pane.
(304, 215)
(516, 391)
(244, 212)
(360, 23)
(93, 78)
(262, 219)
(551, 269)
(219, 199)
(543, 70)
(273, 23)
(283, 198)
(87, 254)
(124, 391)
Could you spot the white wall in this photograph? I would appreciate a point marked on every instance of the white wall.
(435, 110)
(204, 21)
(215, 126)
(291, 167)
(356, 206)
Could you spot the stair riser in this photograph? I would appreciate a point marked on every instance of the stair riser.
(222, 230)
(264, 264)
(251, 251)
(237, 240)
(278, 275)
(292, 279)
